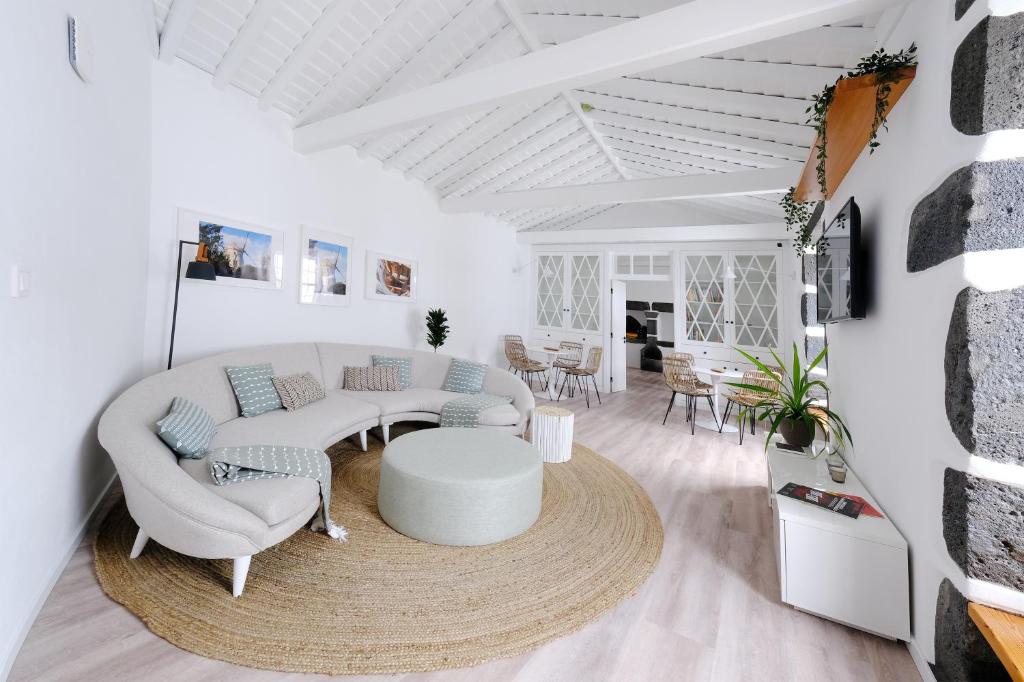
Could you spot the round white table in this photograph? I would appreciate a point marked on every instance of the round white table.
(550, 355)
(716, 377)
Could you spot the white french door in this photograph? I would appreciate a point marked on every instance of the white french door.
(568, 292)
(704, 295)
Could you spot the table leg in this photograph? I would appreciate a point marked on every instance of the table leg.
(710, 424)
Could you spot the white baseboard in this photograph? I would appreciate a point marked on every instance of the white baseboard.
(921, 662)
(44, 594)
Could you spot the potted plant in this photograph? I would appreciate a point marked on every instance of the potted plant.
(437, 328)
(790, 405)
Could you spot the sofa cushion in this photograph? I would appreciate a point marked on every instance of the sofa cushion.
(187, 428)
(465, 376)
(254, 388)
(311, 427)
(402, 364)
(298, 390)
(371, 379)
(430, 400)
(272, 499)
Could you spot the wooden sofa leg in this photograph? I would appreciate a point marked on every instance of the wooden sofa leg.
(362, 439)
(385, 430)
(240, 572)
(140, 542)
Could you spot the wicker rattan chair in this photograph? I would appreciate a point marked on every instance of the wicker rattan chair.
(747, 399)
(523, 365)
(510, 339)
(677, 369)
(579, 375)
(570, 354)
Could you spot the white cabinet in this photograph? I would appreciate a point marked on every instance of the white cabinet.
(730, 300)
(568, 293)
(854, 571)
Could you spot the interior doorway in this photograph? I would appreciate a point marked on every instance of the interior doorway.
(643, 327)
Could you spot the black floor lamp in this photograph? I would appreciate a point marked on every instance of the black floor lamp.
(200, 268)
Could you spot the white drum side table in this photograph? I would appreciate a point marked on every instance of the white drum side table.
(551, 432)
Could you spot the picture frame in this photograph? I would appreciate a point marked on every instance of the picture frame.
(391, 278)
(325, 267)
(243, 254)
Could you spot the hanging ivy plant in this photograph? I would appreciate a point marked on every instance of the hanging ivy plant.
(886, 68)
(798, 219)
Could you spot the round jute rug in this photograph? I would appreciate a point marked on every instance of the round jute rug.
(384, 603)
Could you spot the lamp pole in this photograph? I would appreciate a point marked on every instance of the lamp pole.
(200, 268)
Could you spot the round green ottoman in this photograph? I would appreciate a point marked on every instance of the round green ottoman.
(460, 486)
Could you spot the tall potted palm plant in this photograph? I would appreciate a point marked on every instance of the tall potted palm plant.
(790, 406)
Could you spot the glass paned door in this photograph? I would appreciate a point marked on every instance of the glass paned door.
(755, 300)
(704, 298)
(585, 292)
(550, 290)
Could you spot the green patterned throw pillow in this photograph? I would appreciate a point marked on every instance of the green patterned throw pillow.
(465, 376)
(187, 429)
(254, 388)
(403, 365)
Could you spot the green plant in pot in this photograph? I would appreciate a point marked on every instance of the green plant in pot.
(790, 406)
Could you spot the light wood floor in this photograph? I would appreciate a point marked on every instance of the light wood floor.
(711, 610)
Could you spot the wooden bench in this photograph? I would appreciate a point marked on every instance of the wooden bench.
(1005, 634)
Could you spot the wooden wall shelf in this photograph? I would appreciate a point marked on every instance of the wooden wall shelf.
(848, 125)
(1005, 634)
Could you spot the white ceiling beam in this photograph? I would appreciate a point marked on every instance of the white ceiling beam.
(538, 119)
(653, 189)
(684, 152)
(786, 80)
(786, 109)
(726, 143)
(502, 161)
(655, 139)
(322, 29)
(691, 30)
(530, 38)
(759, 129)
(252, 30)
(394, 23)
(487, 52)
(148, 11)
(543, 165)
(175, 26)
(551, 29)
(736, 212)
(655, 214)
(642, 234)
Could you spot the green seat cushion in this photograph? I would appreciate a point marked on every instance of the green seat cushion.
(465, 376)
(403, 365)
(254, 388)
(187, 428)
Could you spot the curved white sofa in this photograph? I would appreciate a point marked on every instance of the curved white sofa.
(176, 502)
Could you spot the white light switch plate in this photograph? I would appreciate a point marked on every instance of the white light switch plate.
(21, 282)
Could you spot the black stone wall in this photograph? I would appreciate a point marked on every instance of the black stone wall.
(988, 70)
(961, 652)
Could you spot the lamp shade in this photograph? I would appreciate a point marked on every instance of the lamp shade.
(200, 270)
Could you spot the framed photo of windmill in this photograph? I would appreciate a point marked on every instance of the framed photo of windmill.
(391, 278)
(242, 254)
(325, 267)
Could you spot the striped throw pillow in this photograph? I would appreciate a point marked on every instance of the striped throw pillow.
(254, 388)
(372, 379)
(187, 429)
(465, 376)
(297, 390)
(404, 366)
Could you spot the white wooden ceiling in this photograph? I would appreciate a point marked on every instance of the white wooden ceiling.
(739, 110)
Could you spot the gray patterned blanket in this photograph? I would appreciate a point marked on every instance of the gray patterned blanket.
(253, 462)
(465, 412)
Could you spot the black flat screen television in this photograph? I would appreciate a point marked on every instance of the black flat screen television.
(840, 268)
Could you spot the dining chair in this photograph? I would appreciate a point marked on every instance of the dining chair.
(523, 364)
(581, 374)
(511, 338)
(747, 400)
(677, 370)
(570, 354)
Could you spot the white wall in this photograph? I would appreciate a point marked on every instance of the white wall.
(887, 370)
(214, 151)
(75, 173)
